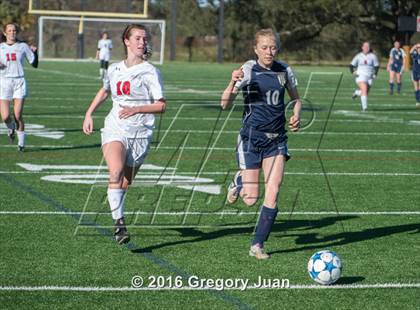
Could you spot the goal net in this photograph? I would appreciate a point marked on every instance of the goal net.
(60, 38)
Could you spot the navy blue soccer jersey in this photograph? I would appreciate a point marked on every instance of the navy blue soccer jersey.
(263, 91)
(415, 56)
(397, 55)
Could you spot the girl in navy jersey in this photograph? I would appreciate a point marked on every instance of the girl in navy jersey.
(395, 67)
(415, 75)
(262, 141)
(12, 80)
(137, 93)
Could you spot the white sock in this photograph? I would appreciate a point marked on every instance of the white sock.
(101, 72)
(21, 138)
(358, 92)
(116, 197)
(364, 101)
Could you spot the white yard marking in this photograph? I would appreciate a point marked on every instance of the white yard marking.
(193, 288)
(38, 131)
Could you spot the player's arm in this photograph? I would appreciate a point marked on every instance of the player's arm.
(231, 91)
(35, 62)
(158, 107)
(294, 121)
(100, 98)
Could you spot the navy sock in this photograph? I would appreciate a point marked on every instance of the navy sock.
(391, 87)
(265, 223)
(239, 183)
(418, 95)
(398, 87)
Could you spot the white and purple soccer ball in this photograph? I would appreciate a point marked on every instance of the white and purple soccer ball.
(325, 267)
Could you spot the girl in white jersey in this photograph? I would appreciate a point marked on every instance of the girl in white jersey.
(12, 81)
(104, 53)
(365, 67)
(137, 93)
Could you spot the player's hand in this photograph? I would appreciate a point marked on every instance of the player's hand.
(237, 75)
(33, 48)
(126, 111)
(88, 125)
(294, 123)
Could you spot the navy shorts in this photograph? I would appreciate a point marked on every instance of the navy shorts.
(415, 75)
(253, 148)
(396, 67)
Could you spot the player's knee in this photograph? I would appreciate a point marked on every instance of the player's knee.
(249, 200)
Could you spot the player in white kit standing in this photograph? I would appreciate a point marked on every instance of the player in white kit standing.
(365, 67)
(104, 53)
(137, 93)
(12, 81)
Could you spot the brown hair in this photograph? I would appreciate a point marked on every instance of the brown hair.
(127, 33)
(11, 23)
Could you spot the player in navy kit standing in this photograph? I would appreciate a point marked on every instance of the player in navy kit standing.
(415, 76)
(262, 141)
(395, 67)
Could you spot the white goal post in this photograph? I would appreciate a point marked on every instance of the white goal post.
(60, 37)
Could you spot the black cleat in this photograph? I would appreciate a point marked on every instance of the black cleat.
(21, 148)
(11, 134)
(120, 232)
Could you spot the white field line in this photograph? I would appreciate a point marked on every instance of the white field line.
(233, 148)
(221, 213)
(357, 174)
(205, 288)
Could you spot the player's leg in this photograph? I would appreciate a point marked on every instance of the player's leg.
(20, 125)
(364, 89)
(106, 64)
(5, 116)
(273, 168)
(417, 91)
(391, 81)
(114, 153)
(398, 75)
(101, 68)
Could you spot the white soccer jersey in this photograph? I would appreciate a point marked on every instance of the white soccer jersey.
(104, 47)
(138, 85)
(12, 56)
(365, 64)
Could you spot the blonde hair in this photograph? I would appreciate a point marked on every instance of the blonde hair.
(268, 32)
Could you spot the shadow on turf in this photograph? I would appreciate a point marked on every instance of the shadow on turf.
(199, 235)
(349, 280)
(76, 147)
(311, 241)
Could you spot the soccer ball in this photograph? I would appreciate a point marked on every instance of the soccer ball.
(325, 267)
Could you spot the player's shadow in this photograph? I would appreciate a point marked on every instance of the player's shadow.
(349, 280)
(198, 235)
(312, 241)
(75, 147)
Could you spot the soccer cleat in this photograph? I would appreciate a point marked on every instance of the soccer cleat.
(120, 233)
(258, 253)
(354, 96)
(21, 148)
(233, 192)
(417, 104)
(11, 134)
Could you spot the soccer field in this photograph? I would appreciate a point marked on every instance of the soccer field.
(352, 186)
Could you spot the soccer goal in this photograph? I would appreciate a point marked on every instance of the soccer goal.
(59, 37)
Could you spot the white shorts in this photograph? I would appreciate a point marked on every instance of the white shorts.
(12, 88)
(136, 148)
(364, 78)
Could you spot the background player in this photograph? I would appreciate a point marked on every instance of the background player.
(262, 141)
(104, 53)
(12, 81)
(365, 67)
(137, 93)
(415, 75)
(395, 66)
